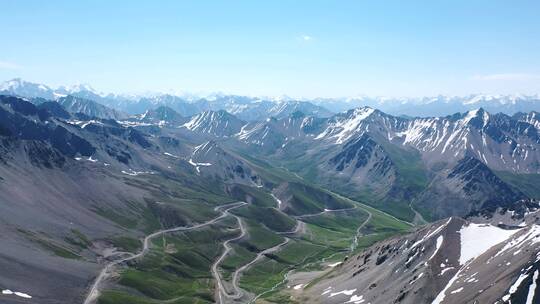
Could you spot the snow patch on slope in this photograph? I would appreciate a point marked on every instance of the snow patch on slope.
(17, 293)
(478, 238)
(343, 129)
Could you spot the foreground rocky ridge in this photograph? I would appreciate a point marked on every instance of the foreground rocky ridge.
(489, 258)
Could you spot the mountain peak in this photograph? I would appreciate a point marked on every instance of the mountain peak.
(478, 116)
(19, 87)
(77, 88)
(346, 125)
(360, 113)
(218, 123)
(161, 114)
(17, 83)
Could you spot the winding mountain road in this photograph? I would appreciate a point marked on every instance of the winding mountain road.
(237, 274)
(221, 290)
(222, 294)
(354, 243)
(353, 246)
(323, 212)
(300, 226)
(94, 291)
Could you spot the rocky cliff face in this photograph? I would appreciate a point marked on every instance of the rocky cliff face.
(468, 186)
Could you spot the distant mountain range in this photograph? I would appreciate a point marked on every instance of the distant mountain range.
(427, 168)
(246, 108)
(438, 105)
(259, 108)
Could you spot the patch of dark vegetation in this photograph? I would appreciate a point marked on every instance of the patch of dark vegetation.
(126, 243)
(50, 245)
(116, 217)
(77, 238)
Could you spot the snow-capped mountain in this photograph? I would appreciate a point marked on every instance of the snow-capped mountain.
(218, 124)
(498, 140)
(273, 133)
(438, 105)
(19, 87)
(210, 159)
(532, 118)
(82, 88)
(244, 107)
(345, 125)
(256, 109)
(161, 115)
(89, 107)
(450, 165)
(259, 108)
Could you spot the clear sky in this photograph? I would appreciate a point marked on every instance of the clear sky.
(299, 48)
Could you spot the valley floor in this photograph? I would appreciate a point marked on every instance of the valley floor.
(268, 272)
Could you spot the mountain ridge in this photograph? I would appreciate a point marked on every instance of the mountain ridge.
(451, 261)
(167, 170)
(257, 108)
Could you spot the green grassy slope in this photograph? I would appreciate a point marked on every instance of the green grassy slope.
(528, 183)
(177, 269)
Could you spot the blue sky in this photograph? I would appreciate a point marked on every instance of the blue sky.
(299, 48)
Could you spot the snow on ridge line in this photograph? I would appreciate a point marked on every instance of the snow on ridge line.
(515, 286)
(532, 235)
(196, 121)
(202, 147)
(83, 124)
(532, 289)
(430, 234)
(346, 127)
(440, 240)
